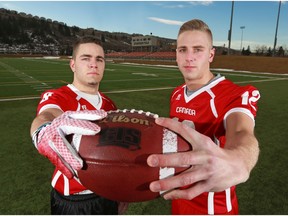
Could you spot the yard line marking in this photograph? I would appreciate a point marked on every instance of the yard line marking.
(19, 99)
(107, 92)
(150, 79)
(21, 75)
(145, 74)
(30, 80)
(175, 67)
(33, 84)
(136, 90)
(248, 72)
(264, 80)
(246, 75)
(48, 61)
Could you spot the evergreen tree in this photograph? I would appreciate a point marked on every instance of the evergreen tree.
(280, 51)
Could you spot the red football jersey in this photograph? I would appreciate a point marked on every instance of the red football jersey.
(68, 98)
(206, 110)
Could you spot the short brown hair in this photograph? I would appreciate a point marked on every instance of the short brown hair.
(84, 40)
(196, 25)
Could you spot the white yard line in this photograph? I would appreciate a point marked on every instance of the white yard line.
(34, 83)
(225, 71)
(264, 80)
(141, 90)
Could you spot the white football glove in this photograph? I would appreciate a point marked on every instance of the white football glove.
(51, 142)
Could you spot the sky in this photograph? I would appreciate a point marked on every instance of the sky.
(163, 18)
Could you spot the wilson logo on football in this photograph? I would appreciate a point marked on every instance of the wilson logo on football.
(125, 119)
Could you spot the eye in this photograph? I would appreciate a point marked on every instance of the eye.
(99, 59)
(181, 50)
(197, 50)
(85, 59)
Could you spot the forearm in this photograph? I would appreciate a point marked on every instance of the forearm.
(242, 143)
(245, 152)
(46, 116)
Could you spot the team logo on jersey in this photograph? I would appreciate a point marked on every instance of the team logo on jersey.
(46, 96)
(178, 97)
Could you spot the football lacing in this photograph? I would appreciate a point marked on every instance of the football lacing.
(133, 111)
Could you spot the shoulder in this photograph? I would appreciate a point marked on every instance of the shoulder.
(231, 97)
(178, 90)
(62, 91)
(59, 98)
(108, 104)
(227, 88)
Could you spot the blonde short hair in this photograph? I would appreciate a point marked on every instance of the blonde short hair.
(196, 25)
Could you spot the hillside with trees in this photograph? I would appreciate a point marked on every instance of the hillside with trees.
(25, 34)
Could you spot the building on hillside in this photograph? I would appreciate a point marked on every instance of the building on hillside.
(144, 44)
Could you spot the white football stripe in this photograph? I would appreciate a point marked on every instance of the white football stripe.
(169, 145)
(169, 141)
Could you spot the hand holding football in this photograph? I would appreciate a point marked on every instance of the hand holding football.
(115, 160)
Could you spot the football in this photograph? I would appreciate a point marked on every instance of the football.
(115, 164)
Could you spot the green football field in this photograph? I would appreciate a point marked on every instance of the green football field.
(25, 174)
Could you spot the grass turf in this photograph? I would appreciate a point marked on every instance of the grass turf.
(25, 175)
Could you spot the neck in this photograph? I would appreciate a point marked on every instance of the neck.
(91, 88)
(195, 84)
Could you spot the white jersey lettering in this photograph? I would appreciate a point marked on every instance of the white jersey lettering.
(185, 110)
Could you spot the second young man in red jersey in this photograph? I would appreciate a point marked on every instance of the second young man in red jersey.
(217, 118)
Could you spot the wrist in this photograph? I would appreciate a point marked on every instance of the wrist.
(36, 133)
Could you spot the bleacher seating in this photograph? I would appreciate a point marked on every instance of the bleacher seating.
(137, 54)
(143, 55)
(162, 55)
(116, 54)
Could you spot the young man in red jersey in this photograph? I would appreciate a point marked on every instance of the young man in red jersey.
(67, 110)
(217, 118)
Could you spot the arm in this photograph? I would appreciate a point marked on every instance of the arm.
(211, 168)
(46, 116)
(240, 139)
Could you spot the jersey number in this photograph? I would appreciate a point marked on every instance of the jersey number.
(246, 98)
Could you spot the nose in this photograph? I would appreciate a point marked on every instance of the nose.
(93, 63)
(190, 56)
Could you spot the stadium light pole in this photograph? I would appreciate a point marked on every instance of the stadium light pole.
(230, 30)
(242, 28)
(275, 39)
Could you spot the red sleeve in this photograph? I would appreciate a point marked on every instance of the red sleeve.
(239, 99)
(57, 98)
(247, 98)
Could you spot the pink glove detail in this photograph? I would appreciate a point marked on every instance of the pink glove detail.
(53, 144)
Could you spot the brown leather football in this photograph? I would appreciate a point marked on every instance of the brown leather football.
(115, 164)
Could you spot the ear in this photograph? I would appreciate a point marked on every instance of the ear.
(72, 65)
(176, 56)
(212, 54)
